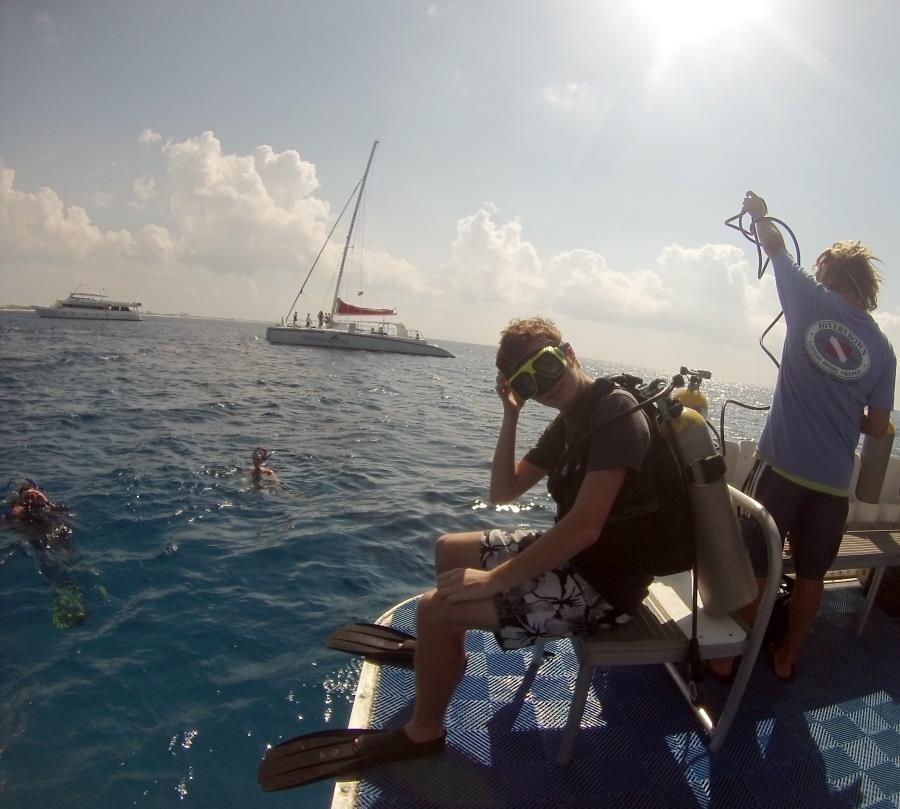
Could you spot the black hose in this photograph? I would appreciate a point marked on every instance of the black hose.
(737, 223)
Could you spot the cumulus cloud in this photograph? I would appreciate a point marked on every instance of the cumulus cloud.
(228, 213)
(565, 96)
(491, 260)
(708, 291)
(38, 226)
(242, 213)
(154, 243)
(143, 190)
(586, 287)
(889, 323)
(148, 136)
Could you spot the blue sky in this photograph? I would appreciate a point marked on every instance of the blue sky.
(569, 159)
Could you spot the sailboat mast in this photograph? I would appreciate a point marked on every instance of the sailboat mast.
(362, 187)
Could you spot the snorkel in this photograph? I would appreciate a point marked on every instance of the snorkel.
(259, 458)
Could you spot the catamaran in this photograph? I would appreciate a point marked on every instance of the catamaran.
(340, 327)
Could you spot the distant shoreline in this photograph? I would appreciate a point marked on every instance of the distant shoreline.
(12, 307)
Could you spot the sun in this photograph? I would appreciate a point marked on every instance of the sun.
(681, 23)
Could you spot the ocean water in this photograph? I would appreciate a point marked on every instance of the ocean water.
(208, 595)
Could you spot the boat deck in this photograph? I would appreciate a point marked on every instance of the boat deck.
(830, 739)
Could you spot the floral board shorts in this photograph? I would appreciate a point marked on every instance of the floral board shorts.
(559, 603)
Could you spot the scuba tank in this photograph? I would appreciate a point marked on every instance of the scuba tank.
(725, 577)
(692, 396)
(876, 452)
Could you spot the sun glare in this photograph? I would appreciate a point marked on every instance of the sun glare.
(679, 23)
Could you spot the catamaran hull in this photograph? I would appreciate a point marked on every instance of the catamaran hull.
(332, 338)
(85, 314)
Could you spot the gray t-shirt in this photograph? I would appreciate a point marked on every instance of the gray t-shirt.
(622, 443)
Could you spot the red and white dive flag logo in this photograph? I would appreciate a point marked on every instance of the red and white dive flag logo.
(837, 350)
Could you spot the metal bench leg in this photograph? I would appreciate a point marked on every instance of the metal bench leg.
(576, 712)
(870, 599)
(537, 653)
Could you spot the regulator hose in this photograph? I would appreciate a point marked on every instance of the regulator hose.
(749, 233)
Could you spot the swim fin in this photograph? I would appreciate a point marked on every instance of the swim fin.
(341, 753)
(382, 644)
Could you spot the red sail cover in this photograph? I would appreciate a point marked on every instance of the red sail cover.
(350, 309)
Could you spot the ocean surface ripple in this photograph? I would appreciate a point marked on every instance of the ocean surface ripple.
(210, 595)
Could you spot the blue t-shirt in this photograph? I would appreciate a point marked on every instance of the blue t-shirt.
(835, 362)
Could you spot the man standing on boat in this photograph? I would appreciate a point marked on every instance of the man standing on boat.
(579, 576)
(836, 380)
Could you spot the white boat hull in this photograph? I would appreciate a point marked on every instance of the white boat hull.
(86, 314)
(358, 341)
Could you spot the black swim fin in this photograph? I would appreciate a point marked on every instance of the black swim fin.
(382, 644)
(341, 753)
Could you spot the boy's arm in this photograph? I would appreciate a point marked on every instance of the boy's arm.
(875, 421)
(572, 534)
(510, 478)
(769, 236)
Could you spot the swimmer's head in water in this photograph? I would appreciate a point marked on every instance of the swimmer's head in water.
(259, 455)
(31, 497)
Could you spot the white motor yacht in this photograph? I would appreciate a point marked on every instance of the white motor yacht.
(91, 306)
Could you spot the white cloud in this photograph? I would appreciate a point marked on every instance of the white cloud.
(889, 323)
(708, 292)
(154, 243)
(586, 287)
(492, 261)
(148, 136)
(144, 188)
(39, 226)
(565, 96)
(239, 214)
(244, 213)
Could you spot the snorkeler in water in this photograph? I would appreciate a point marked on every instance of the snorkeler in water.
(46, 527)
(45, 520)
(260, 471)
(31, 505)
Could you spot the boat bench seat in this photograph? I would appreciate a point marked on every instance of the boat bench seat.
(661, 632)
(873, 548)
(872, 535)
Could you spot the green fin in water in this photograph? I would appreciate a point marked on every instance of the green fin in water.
(68, 607)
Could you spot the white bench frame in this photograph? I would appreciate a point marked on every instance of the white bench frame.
(872, 534)
(661, 633)
(873, 548)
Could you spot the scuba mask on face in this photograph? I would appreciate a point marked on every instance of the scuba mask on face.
(537, 374)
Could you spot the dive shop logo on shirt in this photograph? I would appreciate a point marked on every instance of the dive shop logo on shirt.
(837, 350)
